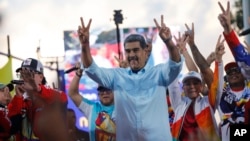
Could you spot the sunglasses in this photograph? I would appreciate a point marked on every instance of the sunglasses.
(231, 71)
(102, 91)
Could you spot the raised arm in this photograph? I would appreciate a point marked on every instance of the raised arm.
(74, 86)
(241, 56)
(219, 50)
(216, 87)
(166, 36)
(225, 18)
(201, 62)
(83, 33)
(237, 49)
(181, 42)
(211, 58)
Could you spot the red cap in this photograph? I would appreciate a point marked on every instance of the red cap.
(231, 65)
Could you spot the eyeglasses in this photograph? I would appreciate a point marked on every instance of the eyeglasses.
(233, 70)
(104, 90)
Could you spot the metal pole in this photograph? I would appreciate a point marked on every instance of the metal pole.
(118, 18)
(58, 74)
(8, 42)
(118, 40)
(246, 15)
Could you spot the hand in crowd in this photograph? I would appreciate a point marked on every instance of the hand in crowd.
(19, 90)
(181, 42)
(83, 32)
(211, 58)
(149, 43)
(190, 34)
(247, 47)
(79, 69)
(164, 31)
(166, 36)
(122, 63)
(29, 80)
(225, 18)
(219, 49)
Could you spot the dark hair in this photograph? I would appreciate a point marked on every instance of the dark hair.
(135, 38)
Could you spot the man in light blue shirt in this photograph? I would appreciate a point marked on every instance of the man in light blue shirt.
(139, 90)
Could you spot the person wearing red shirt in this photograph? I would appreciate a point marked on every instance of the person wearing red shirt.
(31, 98)
(5, 123)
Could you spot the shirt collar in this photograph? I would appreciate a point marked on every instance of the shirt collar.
(145, 68)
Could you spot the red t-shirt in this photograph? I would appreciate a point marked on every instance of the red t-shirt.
(19, 105)
(190, 125)
(50, 96)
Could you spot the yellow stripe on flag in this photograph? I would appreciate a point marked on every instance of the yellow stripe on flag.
(6, 72)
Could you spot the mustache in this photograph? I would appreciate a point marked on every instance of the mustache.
(132, 58)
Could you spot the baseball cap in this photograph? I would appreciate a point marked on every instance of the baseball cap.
(232, 68)
(231, 65)
(191, 74)
(101, 88)
(10, 86)
(32, 64)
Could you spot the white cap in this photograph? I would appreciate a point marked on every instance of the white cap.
(191, 74)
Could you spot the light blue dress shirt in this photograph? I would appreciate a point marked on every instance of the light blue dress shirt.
(141, 111)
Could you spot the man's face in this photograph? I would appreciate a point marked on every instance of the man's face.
(192, 87)
(38, 77)
(106, 97)
(135, 55)
(234, 76)
(5, 96)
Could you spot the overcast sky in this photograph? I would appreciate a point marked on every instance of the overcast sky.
(31, 23)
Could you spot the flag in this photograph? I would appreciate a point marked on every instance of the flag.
(6, 72)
